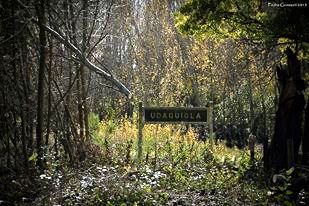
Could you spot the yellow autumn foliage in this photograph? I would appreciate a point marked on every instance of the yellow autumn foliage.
(163, 141)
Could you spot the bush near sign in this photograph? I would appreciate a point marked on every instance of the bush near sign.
(175, 115)
(195, 115)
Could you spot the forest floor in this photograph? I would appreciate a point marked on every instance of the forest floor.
(176, 169)
(96, 184)
(207, 182)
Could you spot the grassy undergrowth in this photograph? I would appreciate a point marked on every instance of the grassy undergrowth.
(176, 169)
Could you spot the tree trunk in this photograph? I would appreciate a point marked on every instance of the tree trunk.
(40, 9)
(83, 72)
(285, 144)
(49, 88)
(305, 142)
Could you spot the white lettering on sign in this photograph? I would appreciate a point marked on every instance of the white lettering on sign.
(175, 115)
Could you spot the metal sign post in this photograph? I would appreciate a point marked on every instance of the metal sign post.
(140, 131)
(211, 125)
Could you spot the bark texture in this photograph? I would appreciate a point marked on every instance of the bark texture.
(285, 144)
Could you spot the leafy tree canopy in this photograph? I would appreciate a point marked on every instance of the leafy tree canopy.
(256, 21)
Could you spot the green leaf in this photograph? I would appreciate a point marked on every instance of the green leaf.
(282, 188)
(289, 192)
(290, 171)
(33, 157)
(287, 203)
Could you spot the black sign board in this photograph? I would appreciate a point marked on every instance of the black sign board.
(175, 115)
